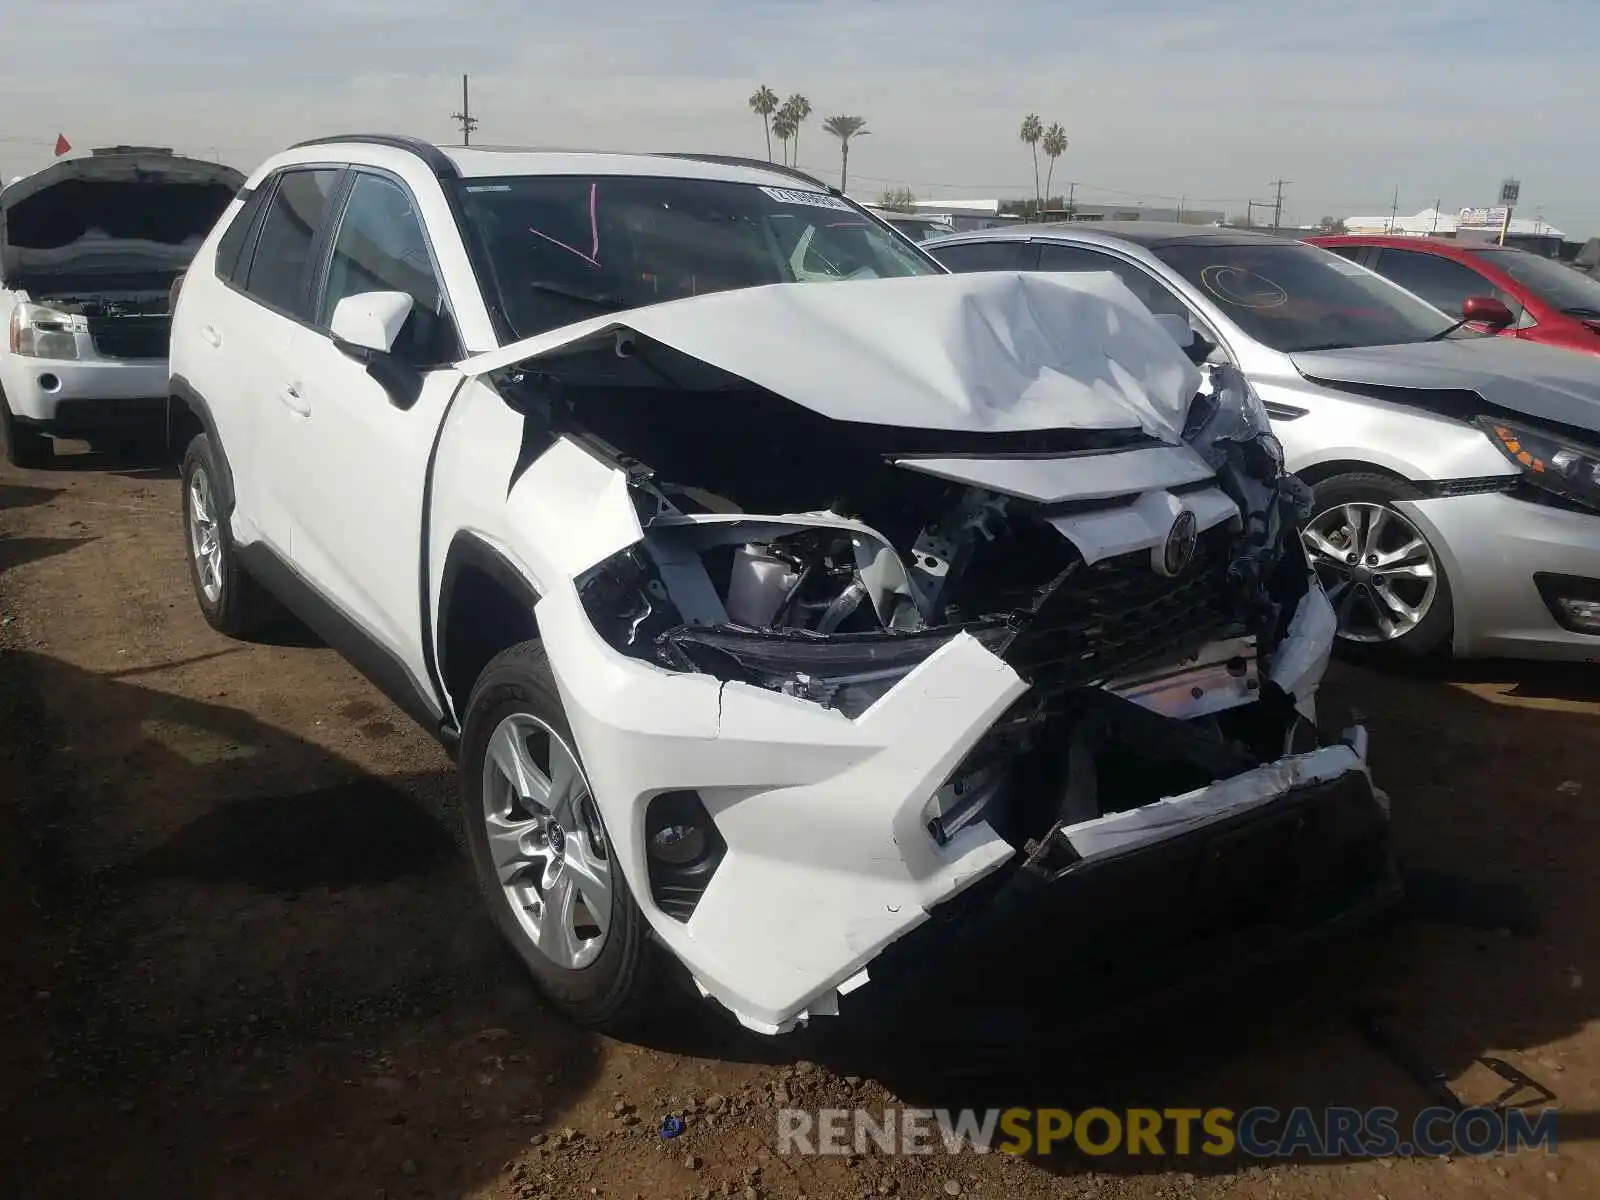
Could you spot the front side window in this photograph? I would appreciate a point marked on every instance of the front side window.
(381, 247)
(1573, 292)
(1152, 293)
(988, 256)
(280, 269)
(554, 249)
(1441, 282)
(1293, 297)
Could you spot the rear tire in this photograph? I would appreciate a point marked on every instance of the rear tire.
(25, 448)
(1394, 600)
(230, 600)
(606, 975)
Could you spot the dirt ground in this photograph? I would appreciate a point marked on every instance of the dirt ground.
(244, 956)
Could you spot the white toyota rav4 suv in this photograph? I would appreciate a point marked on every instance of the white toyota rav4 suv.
(779, 629)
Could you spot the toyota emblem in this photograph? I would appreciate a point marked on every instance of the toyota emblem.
(1173, 557)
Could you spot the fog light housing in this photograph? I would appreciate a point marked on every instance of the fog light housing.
(683, 850)
(1573, 600)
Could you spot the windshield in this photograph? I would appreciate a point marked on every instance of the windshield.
(1294, 297)
(1562, 286)
(558, 248)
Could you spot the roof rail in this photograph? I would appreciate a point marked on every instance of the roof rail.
(438, 162)
(734, 160)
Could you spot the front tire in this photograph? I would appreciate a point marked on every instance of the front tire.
(1386, 581)
(541, 853)
(230, 600)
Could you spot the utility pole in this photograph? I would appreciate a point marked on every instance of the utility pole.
(1250, 207)
(465, 117)
(1435, 228)
(1394, 211)
(1277, 205)
(1072, 191)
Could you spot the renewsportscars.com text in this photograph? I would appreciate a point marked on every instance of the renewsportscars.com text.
(1254, 1132)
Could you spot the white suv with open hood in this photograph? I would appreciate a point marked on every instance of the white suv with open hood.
(775, 626)
(89, 252)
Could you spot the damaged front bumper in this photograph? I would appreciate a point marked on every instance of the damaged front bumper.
(824, 850)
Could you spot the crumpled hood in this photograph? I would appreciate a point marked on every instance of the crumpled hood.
(983, 353)
(1536, 381)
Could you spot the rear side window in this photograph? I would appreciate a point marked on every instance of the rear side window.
(281, 267)
(230, 247)
(988, 256)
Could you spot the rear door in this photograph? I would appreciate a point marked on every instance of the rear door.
(360, 436)
(251, 327)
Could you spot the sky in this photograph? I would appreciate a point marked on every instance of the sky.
(1161, 99)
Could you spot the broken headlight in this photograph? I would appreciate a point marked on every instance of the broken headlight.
(1568, 469)
(40, 332)
(847, 671)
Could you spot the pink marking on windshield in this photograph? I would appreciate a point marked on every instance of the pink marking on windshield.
(592, 261)
(594, 224)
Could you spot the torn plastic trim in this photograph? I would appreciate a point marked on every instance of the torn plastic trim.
(1176, 816)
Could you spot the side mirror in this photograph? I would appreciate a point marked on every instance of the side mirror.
(1486, 310)
(365, 326)
(1178, 327)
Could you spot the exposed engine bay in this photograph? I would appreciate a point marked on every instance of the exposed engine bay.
(1150, 669)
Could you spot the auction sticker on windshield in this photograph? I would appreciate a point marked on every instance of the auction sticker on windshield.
(814, 199)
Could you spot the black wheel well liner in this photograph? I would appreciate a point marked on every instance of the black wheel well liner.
(485, 606)
(1321, 471)
(188, 414)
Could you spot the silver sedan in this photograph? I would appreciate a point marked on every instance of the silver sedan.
(1457, 475)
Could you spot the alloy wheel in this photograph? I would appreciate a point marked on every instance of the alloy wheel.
(205, 539)
(546, 840)
(1380, 574)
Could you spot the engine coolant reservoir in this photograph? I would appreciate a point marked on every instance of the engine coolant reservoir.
(758, 586)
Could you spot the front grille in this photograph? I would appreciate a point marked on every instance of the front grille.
(131, 337)
(1113, 616)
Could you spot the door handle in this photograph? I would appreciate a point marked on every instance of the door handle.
(211, 334)
(294, 401)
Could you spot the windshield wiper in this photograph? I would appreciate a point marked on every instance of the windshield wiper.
(1582, 310)
(596, 300)
(1326, 346)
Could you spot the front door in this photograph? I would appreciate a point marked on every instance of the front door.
(361, 446)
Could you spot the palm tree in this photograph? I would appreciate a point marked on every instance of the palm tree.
(845, 128)
(764, 103)
(1055, 145)
(1032, 131)
(798, 108)
(784, 126)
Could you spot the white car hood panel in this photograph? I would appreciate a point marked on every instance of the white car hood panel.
(979, 353)
(1537, 381)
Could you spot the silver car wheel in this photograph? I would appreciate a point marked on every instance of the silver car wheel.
(1378, 570)
(205, 539)
(547, 841)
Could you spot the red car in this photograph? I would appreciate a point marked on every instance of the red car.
(1546, 301)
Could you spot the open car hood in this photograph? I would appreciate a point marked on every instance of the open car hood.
(1544, 382)
(980, 353)
(139, 212)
